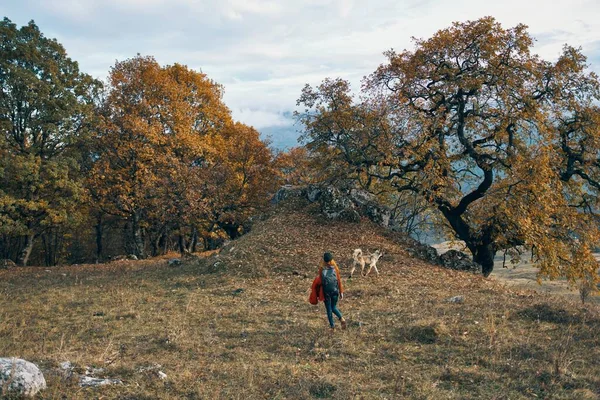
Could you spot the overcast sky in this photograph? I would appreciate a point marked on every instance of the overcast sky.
(263, 52)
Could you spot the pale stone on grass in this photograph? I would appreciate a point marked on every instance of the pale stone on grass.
(21, 377)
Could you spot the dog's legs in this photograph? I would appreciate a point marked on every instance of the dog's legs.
(362, 268)
(353, 268)
(369, 270)
(376, 270)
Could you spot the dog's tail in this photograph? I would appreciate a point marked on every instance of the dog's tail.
(357, 253)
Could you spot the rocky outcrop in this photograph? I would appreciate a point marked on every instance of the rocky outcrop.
(313, 193)
(353, 204)
(288, 191)
(459, 261)
(341, 205)
(21, 378)
(369, 207)
(335, 205)
(422, 251)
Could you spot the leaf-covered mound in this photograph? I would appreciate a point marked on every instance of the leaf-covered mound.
(292, 237)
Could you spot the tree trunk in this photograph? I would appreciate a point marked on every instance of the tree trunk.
(134, 237)
(52, 242)
(99, 228)
(24, 254)
(231, 228)
(157, 241)
(48, 249)
(483, 253)
(7, 247)
(137, 237)
(163, 242)
(155, 246)
(193, 241)
(58, 243)
(182, 248)
(484, 256)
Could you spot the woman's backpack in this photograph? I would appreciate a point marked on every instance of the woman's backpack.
(329, 281)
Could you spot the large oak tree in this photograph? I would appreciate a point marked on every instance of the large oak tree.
(502, 143)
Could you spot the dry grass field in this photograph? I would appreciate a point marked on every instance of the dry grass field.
(237, 325)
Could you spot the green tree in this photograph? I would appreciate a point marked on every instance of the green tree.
(45, 109)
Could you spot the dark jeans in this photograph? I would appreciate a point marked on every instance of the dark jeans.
(330, 306)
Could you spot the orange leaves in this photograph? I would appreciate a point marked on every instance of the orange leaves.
(157, 122)
(503, 144)
(244, 173)
(169, 151)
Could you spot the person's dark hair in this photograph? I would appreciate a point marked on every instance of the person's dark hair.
(327, 257)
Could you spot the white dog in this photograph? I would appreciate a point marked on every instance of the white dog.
(362, 260)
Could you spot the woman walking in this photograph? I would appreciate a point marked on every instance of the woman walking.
(328, 288)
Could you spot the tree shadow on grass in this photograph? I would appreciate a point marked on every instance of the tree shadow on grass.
(552, 314)
(423, 334)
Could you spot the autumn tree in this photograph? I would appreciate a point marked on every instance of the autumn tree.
(502, 143)
(158, 131)
(169, 160)
(45, 113)
(241, 180)
(295, 166)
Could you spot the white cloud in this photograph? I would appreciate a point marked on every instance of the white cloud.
(260, 118)
(236, 9)
(264, 51)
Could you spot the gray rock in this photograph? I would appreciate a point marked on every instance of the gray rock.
(21, 377)
(132, 257)
(90, 371)
(88, 381)
(456, 300)
(335, 205)
(349, 215)
(343, 205)
(66, 369)
(174, 262)
(377, 213)
(459, 261)
(370, 208)
(287, 191)
(362, 197)
(313, 193)
(7, 264)
(422, 251)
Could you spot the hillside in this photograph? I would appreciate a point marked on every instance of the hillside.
(237, 324)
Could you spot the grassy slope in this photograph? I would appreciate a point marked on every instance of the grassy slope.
(266, 341)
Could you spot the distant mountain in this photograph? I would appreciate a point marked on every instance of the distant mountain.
(281, 137)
